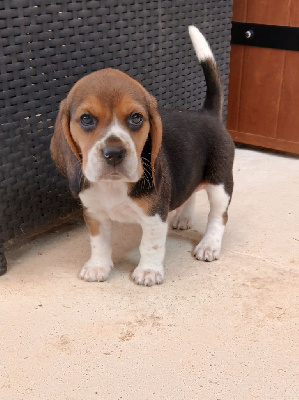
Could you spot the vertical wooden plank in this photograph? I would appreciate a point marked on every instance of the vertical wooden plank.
(239, 10)
(236, 66)
(294, 14)
(288, 117)
(261, 87)
(270, 12)
(234, 88)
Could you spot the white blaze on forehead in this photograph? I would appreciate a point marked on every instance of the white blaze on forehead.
(118, 130)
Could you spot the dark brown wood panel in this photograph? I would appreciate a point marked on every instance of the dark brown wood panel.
(270, 12)
(294, 14)
(240, 10)
(288, 117)
(262, 141)
(263, 99)
(261, 82)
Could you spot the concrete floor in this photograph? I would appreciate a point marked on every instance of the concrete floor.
(223, 330)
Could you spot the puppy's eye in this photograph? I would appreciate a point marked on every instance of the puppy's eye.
(88, 121)
(136, 119)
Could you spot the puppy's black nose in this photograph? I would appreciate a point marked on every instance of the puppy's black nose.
(114, 155)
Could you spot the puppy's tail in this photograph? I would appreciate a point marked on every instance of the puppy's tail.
(214, 97)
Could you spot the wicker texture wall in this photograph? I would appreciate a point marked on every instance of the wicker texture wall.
(47, 45)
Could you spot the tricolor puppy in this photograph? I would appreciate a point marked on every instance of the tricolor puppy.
(130, 162)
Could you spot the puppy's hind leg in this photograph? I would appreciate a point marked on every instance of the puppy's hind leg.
(209, 247)
(184, 216)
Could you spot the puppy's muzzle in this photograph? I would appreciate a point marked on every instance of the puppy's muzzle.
(114, 155)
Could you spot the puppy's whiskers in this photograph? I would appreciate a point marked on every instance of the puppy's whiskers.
(147, 173)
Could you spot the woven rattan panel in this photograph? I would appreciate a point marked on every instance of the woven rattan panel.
(47, 45)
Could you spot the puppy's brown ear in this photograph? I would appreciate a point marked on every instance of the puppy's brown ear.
(155, 134)
(64, 151)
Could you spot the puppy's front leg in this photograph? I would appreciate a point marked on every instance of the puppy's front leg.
(150, 270)
(98, 267)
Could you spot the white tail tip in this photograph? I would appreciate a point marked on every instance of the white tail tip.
(201, 46)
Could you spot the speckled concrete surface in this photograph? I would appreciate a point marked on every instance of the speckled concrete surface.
(222, 330)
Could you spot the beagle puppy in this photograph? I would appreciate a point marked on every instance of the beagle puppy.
(128, 161)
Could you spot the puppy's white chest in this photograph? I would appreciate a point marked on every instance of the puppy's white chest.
(110, 200)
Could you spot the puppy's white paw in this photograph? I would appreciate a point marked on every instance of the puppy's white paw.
(207, 251)
(148, 277)
(181, 221)
(91, 272)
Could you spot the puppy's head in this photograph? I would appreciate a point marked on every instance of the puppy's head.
(102, 127)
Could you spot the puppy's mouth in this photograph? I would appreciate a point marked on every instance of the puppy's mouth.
(114, 176)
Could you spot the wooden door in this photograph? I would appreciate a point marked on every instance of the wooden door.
(263, 101)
